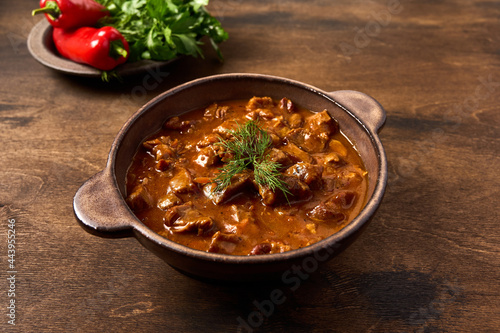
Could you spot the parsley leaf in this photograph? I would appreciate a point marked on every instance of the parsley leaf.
(164, 29)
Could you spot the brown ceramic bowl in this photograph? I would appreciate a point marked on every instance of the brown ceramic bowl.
(42, 48)
(100, 206)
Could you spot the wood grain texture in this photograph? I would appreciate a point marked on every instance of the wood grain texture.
(429, 262)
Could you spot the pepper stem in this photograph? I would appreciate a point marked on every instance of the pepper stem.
(51, 8)
(117, 50)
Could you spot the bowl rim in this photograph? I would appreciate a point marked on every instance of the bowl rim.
(327, 243)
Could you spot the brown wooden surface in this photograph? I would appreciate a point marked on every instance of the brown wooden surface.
(429, 262)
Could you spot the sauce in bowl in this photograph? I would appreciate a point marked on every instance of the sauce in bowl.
(174, 188)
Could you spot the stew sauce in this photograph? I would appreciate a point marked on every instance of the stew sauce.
(170, 182)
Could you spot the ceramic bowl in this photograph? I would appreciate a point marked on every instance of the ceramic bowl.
(101, 209)
(42, 48)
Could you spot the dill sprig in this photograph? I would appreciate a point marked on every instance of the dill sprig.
(249, 146)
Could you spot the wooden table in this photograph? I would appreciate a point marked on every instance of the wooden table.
(428, 262)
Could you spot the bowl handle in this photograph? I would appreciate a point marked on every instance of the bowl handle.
(100, 209)
(366, 108)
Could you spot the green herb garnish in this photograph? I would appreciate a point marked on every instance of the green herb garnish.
(249, 146)
(163, 29)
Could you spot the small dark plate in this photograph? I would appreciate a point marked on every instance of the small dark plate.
(42, 48)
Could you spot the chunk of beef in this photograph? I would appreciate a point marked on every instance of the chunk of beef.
(276, 141)
(295, 120)
(270, 246)
(182, 182)
(262, 248)
(349, 179)
(332, 159)
(264, 114)
(324, 212)
(279, 156)
(286, 104)
(299, 191)
(329, 182)
(207, 157)
(308, 173)
(259, 103)
(333, 209)
(224, 242)
(187, 219)
(239, 183)
(252, 115)
(140, 198)
(277, 126)
(307, 140)
(297, 154)
(242, 215)
(322, 122)
(332, 163)
(343, 199)
(164, 164)
(225, 129)
(338, 147)
(242, 221)
(163, 147)
(216, 111)
(208, 140)
(168, 200)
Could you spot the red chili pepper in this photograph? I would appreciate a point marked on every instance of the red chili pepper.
(70, 14)
(103, 48)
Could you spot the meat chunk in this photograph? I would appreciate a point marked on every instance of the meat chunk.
(187, 219)
(307, 140)
(322, 122)
(216, 111)
(308, 173)
(168, 200)
(265, 114)
(295, 120)
(207, 157)
(242, 221)
(259, 103)
(163, 147)
(270, 247)
(297, 189)
(338, 147)
(333, 209)
(300, 190)
(182, 182)
(140, 198)
(297, 154)
(277, 126)
(226, 128)
(207, 141)
(332, 163)
(224, 242)
(241, 215)
(324, 212)
(164, 164)
(332, 159)
(279, 156)
(343, 199)
(286, 104)
(263, 248)
(349, 179)
(239, 183)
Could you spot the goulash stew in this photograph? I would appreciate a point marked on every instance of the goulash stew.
(247, 178)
